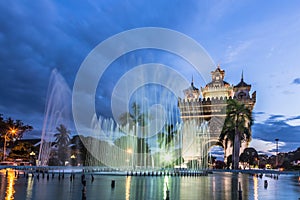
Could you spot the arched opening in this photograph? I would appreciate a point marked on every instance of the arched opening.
(215, 155)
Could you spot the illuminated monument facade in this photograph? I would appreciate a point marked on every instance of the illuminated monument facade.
(203, 113)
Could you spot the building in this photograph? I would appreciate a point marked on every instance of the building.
(203, 114)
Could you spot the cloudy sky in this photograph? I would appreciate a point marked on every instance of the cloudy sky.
(260, 38)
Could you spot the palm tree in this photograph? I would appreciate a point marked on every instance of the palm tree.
(166, 137)
(237, 127)
(166, 140)
(62, 139)
(62, 136)
(134, 117)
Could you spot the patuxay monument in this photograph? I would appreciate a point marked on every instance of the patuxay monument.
(203, 112)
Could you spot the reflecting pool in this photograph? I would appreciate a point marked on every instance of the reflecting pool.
(214, 186)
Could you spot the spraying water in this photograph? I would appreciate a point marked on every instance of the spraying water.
(57, 112)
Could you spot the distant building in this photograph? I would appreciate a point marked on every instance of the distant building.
(203, 113)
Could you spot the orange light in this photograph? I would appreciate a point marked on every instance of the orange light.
(13, 131)
(10, 190)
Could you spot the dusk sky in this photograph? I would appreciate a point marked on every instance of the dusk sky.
(260, 38)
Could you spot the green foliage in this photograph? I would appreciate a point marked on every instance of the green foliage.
(21, 150)
(135, 116)
(237, 127)
(136, 144)
(7, 124)
(62, 139)
(167, 136)
(237, 116)
(249, 156)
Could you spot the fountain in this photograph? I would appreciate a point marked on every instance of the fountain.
(145, 131)
(57, 112)
(133, 144)
(147, 135)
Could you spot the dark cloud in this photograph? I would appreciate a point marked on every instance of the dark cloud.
(259, 113)
(296, 81)
(276, 126)
(293, 118)
(275, 117)
(37, 38)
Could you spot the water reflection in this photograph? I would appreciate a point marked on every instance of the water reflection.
(30, 182)
(10, 182)
(166, 186)
(127, 187)
(214, 186)
(255, 187)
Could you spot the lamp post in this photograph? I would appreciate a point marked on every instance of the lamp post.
(73, 157)
(32, 157)
(276, 151)
(11, 131)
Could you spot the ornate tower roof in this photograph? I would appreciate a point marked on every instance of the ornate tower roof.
(217, 87)
(242, 89)
(217, 78)
(192, 92)
(242, 84)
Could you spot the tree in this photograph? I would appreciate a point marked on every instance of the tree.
(249, 156)
(11, 130)
(138, 146)
(134, 117)
(62, 139)
(79, 150)
(167, 136)
(21, 151)
(166, 140)
(228, 161)
(237, 127)
(8, 124)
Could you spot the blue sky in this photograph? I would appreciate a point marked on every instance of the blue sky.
(260, 38)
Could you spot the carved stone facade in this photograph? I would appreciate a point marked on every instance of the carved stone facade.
(209, 107)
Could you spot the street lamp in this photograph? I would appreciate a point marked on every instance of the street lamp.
(276, 151)
(73, 157)
(32, 158)
(11, 131)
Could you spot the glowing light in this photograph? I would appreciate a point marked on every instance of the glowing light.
(13, 131)
(10, 190)
(255, 182)
(168, 157)
(127, 187)
(129, 151)
(29, 188)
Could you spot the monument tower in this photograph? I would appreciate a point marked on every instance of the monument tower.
(203, 114)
